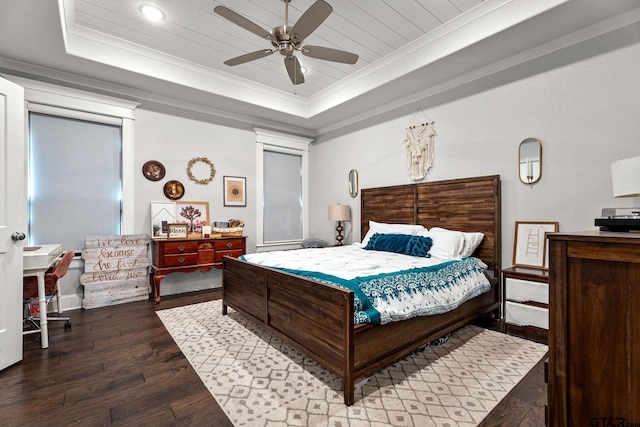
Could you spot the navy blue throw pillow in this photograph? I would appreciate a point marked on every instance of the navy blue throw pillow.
(401, 244)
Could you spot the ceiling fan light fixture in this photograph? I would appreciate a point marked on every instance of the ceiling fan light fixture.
(151, 12)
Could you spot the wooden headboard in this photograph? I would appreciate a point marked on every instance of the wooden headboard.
(467, 204)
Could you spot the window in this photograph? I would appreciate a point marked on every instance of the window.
(282, 197)
(79, 119)
(75, 180)
(282, 189)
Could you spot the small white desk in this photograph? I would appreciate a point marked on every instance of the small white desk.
(35, 263)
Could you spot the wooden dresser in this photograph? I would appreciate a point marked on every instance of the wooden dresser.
(189, 255)
(526, 298)
(594, 329)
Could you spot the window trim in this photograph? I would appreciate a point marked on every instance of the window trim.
(282, 143)
(61, 101)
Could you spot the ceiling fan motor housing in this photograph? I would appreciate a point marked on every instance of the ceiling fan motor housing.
(283, 40)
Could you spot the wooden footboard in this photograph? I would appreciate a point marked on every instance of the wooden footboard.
(313, 317)
(317, 319)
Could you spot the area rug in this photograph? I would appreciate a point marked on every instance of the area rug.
(260, 381)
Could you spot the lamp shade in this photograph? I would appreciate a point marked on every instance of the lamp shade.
(339, 213)
(625, 175)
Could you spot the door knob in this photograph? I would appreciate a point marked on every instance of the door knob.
(17, 236)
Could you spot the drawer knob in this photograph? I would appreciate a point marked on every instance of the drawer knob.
(229, 245)
(181, 248)
(181, 260)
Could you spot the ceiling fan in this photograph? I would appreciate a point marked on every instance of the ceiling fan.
(288, 39)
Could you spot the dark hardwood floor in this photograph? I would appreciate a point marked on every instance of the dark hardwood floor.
(119, 366)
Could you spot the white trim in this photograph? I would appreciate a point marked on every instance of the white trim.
(73, 99)
(275, 141)
(128, 177)
(73, 114)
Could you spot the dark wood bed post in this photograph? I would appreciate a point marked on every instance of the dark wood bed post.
(348, 379)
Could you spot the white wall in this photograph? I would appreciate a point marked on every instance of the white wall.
(174, 141)
(585, 114)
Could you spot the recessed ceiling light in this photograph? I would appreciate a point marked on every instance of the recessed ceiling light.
(151, 12)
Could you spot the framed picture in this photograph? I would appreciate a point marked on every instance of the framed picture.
(162, 213)
(177, 231)
(235, 193)
(194, 214)
(530, 244)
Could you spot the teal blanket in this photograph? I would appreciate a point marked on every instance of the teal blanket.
(416, 292)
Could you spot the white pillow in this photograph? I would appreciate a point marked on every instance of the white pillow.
(470, 240)
(446, 245)
(382, 228)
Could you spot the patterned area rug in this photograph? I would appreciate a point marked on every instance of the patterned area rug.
(260, 381)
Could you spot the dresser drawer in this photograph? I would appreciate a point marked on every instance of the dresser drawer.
(526, 290)
(228, 244)
(180, 247)
(235, 254)
(526, 315)
(179, 260)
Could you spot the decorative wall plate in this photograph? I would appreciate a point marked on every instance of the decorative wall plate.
(173, 190)
(153, 170)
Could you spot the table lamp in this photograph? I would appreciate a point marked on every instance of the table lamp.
(339, 213)
(625, 177)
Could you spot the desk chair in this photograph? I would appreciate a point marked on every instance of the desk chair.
(52, 288)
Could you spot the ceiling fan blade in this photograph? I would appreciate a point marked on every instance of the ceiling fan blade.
(293, 68)
(243, 22)
(328, 54)
(310, 20)
(248, 57)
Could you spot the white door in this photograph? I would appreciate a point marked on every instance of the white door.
(13, 220)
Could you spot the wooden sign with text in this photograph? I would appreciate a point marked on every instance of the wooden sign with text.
(115, 269)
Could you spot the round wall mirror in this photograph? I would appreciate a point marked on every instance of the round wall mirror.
(530, 161)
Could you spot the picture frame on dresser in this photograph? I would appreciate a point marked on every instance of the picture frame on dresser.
(194, 214)
(162, 213)
(177, 231)
(530, 243)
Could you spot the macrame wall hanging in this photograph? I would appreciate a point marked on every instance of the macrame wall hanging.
(420, 141)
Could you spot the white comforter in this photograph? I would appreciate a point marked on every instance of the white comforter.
(346, 262)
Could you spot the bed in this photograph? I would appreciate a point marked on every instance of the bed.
(278, 300)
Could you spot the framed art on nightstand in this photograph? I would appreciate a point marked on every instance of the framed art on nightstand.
(235, 191)
(530, 243)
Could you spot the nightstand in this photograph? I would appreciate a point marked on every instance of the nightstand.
(526, 303)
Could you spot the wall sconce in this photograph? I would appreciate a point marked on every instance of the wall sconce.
(339, 213)
(353, 183)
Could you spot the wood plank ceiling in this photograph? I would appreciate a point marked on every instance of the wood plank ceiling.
(192, 32)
